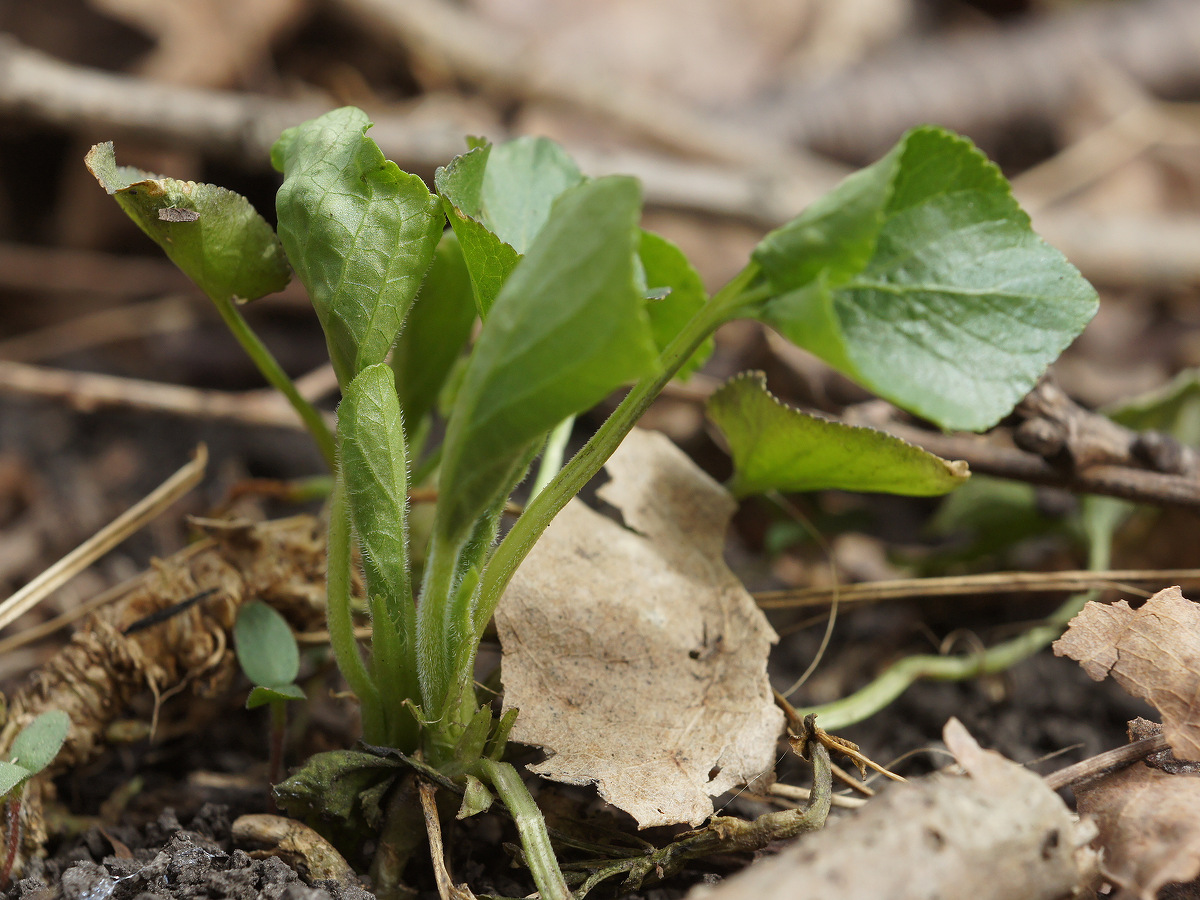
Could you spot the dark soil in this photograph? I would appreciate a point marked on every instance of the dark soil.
(167, 859)
(151, 817)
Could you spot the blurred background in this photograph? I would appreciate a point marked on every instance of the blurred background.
(734, 113)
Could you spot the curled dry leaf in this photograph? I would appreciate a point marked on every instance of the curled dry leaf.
(1148, 826)
(1153, 652)
(998, 832)
(1147, 817)
(295, 843)
(635, 656)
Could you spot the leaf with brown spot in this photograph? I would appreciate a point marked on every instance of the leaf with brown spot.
(1153, 652)
(634, 653)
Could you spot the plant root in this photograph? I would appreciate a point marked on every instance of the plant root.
(152, 638)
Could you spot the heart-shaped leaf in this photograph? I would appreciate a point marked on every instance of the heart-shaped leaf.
(921, 279)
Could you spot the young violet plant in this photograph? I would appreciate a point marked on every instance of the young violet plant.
(918, 277)
(32, 750)
(267, 652)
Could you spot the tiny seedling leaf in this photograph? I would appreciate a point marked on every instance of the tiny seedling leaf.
(12, 777)
(667, 269)
(497, 199)
(920, 278)
(438, 329)
(266, 647)
(39, 741)
(359, 232)
(476, 799)
(568, 327)
(775, 447)
(260, 696)
(214, 235)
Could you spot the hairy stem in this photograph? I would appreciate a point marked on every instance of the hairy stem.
(587, 462)
(340, 619)
(278, 379)
(12, 808)
(434, 666)
(531, 826)
(279, 719)
(552, 456)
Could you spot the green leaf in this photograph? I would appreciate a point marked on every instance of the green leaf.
(497, 199)
(266, 647)
(438, 328)
(522, 180)
(261, 695)
(499, 739)
(775, 447)
(214, 235)
(568, 328)
(375, 469)
(989, 520)
(920, 278)
(330, 785)
(1173, 409)
(489, 259)
(39, 741)
(359, 232)
(476, 799)
(666, 267)
(12, 777)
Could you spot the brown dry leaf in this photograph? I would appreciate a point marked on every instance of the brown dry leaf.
(1148, 826)
(634, 654)
(994, 834)
(1153, 652)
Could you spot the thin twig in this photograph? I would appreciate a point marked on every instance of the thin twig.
(447, 889)
(36, 633)
(169, 315)
(795, 794)
(983, 456)
(29, 267)
(1108, 761)
(88, 391)
(968, 585)
(129, 522)
(980, 81)
(448, 37)
(243, 126)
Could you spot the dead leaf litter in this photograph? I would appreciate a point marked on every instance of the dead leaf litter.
(635, 655)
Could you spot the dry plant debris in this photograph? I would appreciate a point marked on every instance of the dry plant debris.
(997, 832)
(1153, 652)
(295, 843)
(137, 644)
(1146, 813)
(1148, 826)
(634, 654)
